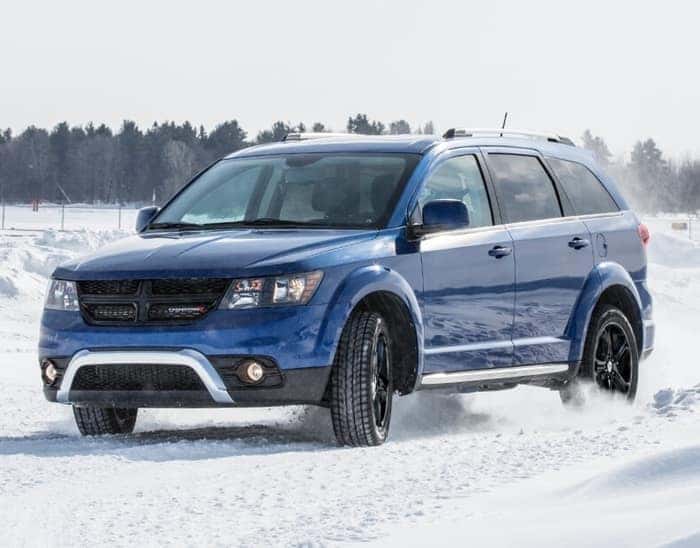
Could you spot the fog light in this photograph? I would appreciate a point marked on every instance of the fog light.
(253, 372)
(50, 372)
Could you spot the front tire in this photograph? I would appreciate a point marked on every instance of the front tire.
(97, 421)
(361, 382)
(610, 358)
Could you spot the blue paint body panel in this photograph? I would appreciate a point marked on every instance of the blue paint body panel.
(468, 301)
(550, 276)
(470, 309)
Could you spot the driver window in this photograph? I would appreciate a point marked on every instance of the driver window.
(460, 178)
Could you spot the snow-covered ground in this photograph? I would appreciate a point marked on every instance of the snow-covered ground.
(509, 468)
(71, 217)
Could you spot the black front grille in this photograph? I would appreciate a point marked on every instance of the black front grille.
(115, 287)
(111, 312)
(162, 301)
(137, 377)
(192, 286)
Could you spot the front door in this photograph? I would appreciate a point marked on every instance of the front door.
(468, 274)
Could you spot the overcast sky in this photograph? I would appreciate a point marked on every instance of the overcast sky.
(623, 69)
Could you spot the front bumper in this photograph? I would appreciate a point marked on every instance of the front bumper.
(296, 386)
(291, 339)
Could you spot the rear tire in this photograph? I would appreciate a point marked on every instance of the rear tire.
(610, 358)
(97, 421)
(361, 382)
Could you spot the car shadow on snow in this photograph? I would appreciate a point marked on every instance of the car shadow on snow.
(168, 445)
(308, 429)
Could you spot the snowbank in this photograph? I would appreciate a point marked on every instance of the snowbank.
(649, 501)
(674, 250)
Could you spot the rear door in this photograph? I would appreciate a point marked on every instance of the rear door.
(553, 254)
(615, 233)
(468, 274)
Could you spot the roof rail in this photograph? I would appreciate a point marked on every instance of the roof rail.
(501, 132)
(304, 136)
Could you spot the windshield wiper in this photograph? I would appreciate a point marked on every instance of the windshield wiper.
(262, 221)
(175, 225)
(267, 221)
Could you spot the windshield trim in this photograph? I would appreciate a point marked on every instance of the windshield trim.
(233, 225)
(413, 161)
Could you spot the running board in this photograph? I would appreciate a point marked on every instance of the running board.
(499, 373)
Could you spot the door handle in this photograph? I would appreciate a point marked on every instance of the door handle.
(500, 251)
(579, 243)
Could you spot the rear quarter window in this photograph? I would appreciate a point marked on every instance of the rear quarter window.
(586, 192)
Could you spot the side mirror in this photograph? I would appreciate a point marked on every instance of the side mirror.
(440, 215)
(145, 216)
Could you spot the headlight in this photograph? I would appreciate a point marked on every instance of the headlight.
(62, 295)
(281, 290)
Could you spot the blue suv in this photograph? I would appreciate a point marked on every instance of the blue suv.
(340, 270)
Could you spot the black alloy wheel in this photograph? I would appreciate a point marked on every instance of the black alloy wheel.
(381, 381)
(612, 366)
(610, 358)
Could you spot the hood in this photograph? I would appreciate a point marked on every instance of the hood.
(213, 253)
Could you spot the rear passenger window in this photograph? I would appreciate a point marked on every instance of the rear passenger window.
(525, 191)
(586, 192)
(460, 178)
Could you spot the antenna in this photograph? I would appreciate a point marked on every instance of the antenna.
(505, 119)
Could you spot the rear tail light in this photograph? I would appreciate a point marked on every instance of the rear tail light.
(644, 234)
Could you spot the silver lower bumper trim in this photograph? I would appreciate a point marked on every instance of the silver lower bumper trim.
(190, 358)
(498, 373)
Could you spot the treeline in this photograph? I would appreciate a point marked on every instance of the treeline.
(93, 164)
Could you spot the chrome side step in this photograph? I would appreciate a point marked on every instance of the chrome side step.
(498, 373)
(190, 358)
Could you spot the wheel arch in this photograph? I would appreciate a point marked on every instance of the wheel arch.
(382, 290)
(608, 283)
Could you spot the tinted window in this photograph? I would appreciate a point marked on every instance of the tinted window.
(525, 191)
(460, 179)
(583, 188)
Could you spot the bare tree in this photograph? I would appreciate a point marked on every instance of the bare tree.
(180, 165)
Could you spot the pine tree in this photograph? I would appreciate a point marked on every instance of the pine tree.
(361, 124)
(399, 127)
(278, 132)
(650, 176)
(129, 162)
(597, 146)
(225, 139)
(59, 151)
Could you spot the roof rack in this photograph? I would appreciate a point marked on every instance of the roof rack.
(304, 136)
(501, 132)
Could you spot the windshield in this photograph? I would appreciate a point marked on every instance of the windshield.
(314, 190)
